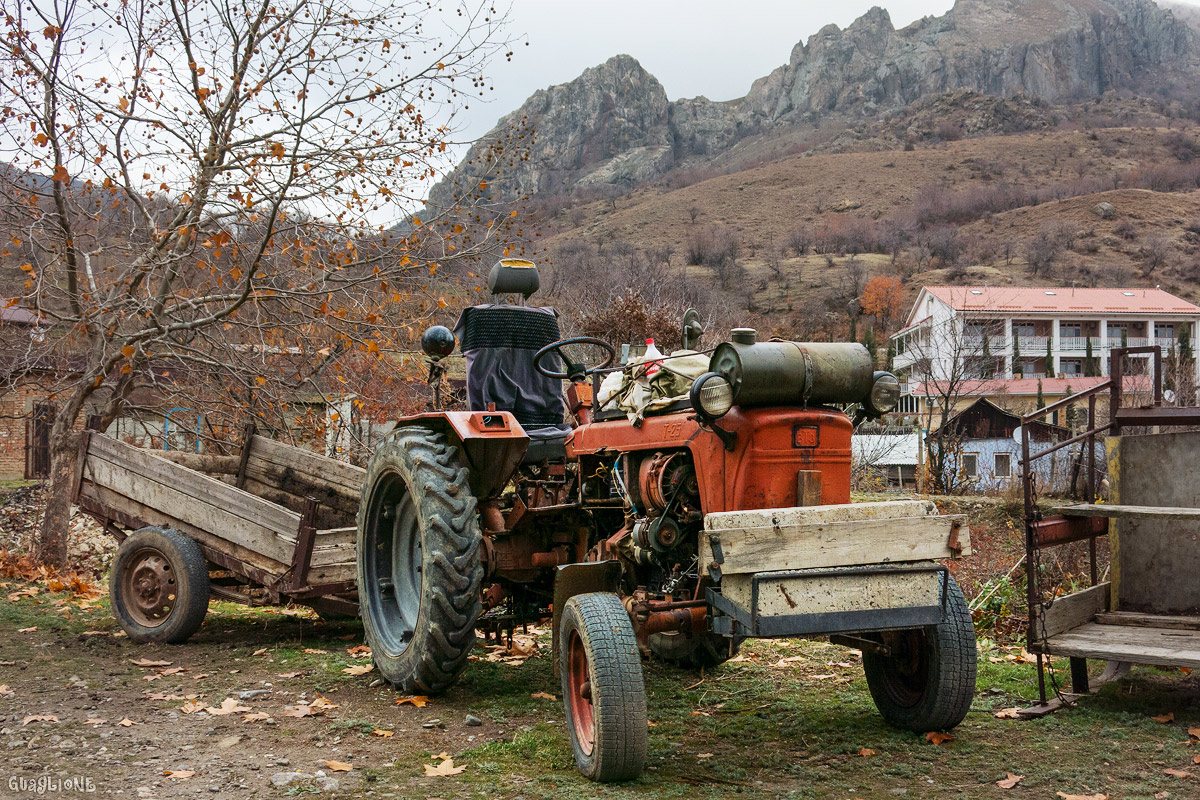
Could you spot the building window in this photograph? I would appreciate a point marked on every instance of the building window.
(1023, 329)
(1164, 331)
(1072, 330)
(970, 464)
(1003, 468)
(1071, 366)
(1115, 331)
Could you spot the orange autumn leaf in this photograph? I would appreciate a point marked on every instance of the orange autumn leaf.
(442, 769)
(339, 766)
(1163, 719)
(61, 175)
(418, 700)
(1010, 781)
(938, 738)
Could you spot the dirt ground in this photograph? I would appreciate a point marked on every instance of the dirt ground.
(266, 703)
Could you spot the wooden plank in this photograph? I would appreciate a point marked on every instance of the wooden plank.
(844, 512)
(1135, 644)
(1134, 619)
(311, 467)
(1071, 611)
(834, 593)
(131, 509)
(206, 490)
(837, 544)
(808, 487)
(211, 516)
(1134, 512)
(321, 574)
(337, 535)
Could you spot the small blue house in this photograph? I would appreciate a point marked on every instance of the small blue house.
(986, 451)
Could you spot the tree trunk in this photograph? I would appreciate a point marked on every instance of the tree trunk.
(64, 452)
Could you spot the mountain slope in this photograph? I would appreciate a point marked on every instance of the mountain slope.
(613, 126)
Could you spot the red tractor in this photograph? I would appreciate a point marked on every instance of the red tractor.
(679, 526)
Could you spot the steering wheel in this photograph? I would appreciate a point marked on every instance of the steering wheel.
(575, 370)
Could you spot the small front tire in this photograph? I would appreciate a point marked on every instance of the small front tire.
(702, 650)
(928, 681)
(159, 586)
(603, 688)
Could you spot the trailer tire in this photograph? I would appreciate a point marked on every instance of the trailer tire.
(699, 650)
(158, 586)
(928, 681)
(604, 691)
(419, 561)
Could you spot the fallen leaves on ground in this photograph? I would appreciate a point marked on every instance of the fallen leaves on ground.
(172, 671)
(179, 774)
(128, 723)
(359, 651)
(1178, 773)
(543, 696)
(322, 703)
(1013, 712)
(262, 651)
(704, 755)
(256, 716)
(146, 662)
(288, 675)
(4, 690)
(1010, 781)
(191, 707)
(339, 766)
(442, 769)
(1163, 719)
(382, 734)
(938, 738)
(314, 651)
(1097, 796)
(30, 629)
(229, 705)
(358, 669)
(418, 700)
(1194, 733)
(866, 751)
(39, 718)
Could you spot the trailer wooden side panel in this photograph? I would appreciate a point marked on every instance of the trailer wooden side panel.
(182, 495)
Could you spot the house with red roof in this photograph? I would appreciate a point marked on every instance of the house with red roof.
(1013, 344)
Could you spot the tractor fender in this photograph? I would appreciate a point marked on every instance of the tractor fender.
(492, 443)
(573, 579)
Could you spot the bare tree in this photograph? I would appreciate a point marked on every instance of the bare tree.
(216, 176)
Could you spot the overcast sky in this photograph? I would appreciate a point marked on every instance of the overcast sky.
(700, 47)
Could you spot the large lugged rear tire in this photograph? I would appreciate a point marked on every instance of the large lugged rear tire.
(928, 681)
(603, 688)
(699, 650)
(158, 586)
(419, 567)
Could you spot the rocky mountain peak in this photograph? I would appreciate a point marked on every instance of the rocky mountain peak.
(614, 125)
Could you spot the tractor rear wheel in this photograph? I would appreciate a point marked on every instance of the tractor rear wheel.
(701, 650)
(927, 681)
(603, 688)
(419, 564)
(158, 586)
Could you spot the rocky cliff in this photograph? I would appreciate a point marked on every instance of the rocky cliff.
(614, 125)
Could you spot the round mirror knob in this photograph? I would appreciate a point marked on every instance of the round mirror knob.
(437, 342)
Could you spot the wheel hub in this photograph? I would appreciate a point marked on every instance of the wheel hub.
(149, 587)
(580, 695)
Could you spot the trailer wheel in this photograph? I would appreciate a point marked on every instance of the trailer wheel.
(603, 688)
(700, 650)
(928, 680)
(419, 567)
(158, 586)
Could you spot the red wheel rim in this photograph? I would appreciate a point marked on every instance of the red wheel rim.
(579, 688)
(148, 585)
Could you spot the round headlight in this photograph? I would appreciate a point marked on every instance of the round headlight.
(712, 396)
(885, 393)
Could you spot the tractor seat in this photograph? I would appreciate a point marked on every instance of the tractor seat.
(547, 444)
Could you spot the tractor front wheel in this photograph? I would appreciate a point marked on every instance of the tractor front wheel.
(603, 688)
(927, 680)
(419, 567)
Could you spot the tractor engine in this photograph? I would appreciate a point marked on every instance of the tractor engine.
(667, 517)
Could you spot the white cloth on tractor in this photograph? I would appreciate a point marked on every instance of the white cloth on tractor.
(671, 383)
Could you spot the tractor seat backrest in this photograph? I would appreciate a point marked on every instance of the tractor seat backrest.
(499, 342)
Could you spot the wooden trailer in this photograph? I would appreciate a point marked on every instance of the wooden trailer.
(1148, 610)
(273, 524)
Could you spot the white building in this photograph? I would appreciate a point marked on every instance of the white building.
(1014, 336)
